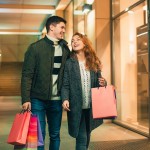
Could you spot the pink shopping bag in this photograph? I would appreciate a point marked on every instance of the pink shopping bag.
(19, 130)
(104, 102)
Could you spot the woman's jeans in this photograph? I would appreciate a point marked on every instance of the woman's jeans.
(83, 138)
(52, 110)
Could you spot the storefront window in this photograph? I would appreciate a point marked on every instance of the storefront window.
(120, 5)
(130, 66)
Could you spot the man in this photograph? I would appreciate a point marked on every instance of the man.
(42, 75)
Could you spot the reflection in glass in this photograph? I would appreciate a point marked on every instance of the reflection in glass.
(142, 80)
(120, 5)
(130, 66)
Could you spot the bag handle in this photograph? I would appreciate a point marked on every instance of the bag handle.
(23, 111)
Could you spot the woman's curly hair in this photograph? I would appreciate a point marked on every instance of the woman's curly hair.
(92, 61)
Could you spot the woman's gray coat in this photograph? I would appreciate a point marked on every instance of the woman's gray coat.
(72, 91)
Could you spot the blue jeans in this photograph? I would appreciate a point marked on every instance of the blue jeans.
(83, 138)
(52, 109)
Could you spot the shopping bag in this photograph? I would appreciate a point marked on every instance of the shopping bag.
(19, 130)
(34, 137)
(104, 102)
(40, 136)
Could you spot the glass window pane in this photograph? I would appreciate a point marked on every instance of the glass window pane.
(130, 53)
(120, 5)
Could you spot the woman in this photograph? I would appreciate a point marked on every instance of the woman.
(82, 72)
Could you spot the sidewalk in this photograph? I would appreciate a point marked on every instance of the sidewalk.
(106, 137)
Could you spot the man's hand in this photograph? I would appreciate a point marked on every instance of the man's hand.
(66, 105)
(26, 106)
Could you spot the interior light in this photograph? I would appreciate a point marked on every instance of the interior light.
(27, 11)
(78, 12)
(86, 8)
(131, 12)
(126, 9)
(142, 34)
(145, 43)
(19, 33)
(89, 2)
(145, 7)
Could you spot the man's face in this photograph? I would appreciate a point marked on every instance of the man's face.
(57, 31)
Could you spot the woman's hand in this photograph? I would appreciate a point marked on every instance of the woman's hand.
(102, 82)
(66, 105)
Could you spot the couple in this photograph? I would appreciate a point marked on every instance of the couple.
(53, 77)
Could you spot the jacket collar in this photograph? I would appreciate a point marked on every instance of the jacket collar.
(61, 42)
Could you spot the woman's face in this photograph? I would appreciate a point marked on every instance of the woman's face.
(76, 43)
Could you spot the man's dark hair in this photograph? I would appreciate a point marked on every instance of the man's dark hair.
(54, 20)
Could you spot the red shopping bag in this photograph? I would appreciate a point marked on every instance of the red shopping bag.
(104, 102)
(19, 130)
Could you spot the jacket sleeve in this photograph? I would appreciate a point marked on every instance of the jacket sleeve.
(28, 71)
(66, 84)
